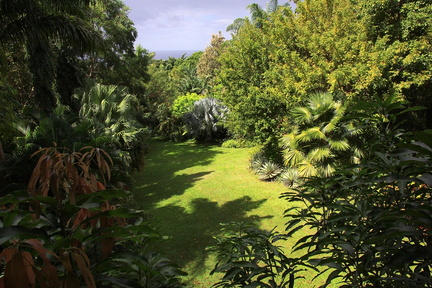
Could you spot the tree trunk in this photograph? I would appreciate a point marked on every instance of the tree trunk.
(2, 154)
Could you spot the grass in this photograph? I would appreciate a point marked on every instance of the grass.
(189, 189)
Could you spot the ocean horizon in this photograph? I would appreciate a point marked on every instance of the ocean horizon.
(164, 55)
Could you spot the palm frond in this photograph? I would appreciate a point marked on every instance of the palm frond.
(352, 130)
(327, 170)
(319, 154)
(307, 169)
(293, 157)
(302, 115)
(288, 140)
(339, 145)
(320, 101)
(236, 25)
(310, 134)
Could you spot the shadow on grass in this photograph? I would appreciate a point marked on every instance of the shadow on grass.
(165, 161)
(191, 232)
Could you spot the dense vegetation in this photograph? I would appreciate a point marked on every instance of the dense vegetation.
(334, 93)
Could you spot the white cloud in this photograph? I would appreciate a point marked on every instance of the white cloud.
(184, 24)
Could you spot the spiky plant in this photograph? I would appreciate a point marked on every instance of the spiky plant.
(205, 121)
(269, 171)
(290, 177)
(257, 160)
(318, 142)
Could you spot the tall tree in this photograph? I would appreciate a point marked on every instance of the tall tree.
(37, 25)
(258, 15)
(208, 64)
(326, 46)
(118, 35)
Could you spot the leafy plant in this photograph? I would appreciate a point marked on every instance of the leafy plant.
(381, 122)
(54, 233)
(290, 177)
(268, 171)
(318, 143)
(236, 143)
(112, 115)
(249, 257)
(184, 104)
(372, 221)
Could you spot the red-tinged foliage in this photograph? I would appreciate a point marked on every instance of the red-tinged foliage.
(64, 176)
(21, 270)
(69, 174)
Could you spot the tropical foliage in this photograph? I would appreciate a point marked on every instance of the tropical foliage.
(319, 140)
(206, 120)
(208, 65)
(250, 257)
(68, 230)
(354, 50)
(329, 90)
(372, 221)
(184, 104)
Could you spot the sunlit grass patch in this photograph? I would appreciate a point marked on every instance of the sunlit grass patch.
(189, 189)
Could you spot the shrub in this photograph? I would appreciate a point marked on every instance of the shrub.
(231, 143)
(250, 257)
(371, 221)
(68, 230)
(318, 143)
(266, 169)
(184, 104)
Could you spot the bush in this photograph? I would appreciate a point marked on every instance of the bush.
(372, 221)
(249, 257)
(68, 230)
(231, 144)
(266, 169)
(184, 104)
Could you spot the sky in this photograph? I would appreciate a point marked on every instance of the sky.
(184, 24)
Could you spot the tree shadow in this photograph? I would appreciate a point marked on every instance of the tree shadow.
(191, 232)
(190, 228)
(166, 160)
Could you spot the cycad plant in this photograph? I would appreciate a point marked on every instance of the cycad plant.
(318, 142)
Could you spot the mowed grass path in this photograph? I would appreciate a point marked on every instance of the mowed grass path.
(189, 189)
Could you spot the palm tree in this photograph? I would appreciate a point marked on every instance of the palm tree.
(37, 25)
(258, 16)
(318, 142)
(112, 112)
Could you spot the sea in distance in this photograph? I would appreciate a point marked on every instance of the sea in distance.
(164, 55)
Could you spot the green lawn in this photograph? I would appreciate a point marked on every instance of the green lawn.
(188, 189)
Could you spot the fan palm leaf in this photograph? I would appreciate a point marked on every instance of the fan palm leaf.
(307, 169)
(339, 145)
(310, 134)
(293, 157)
(317, 136)
(319, 154)
(288, 140)
(302, 115)
(320, 102)
(327, 170)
